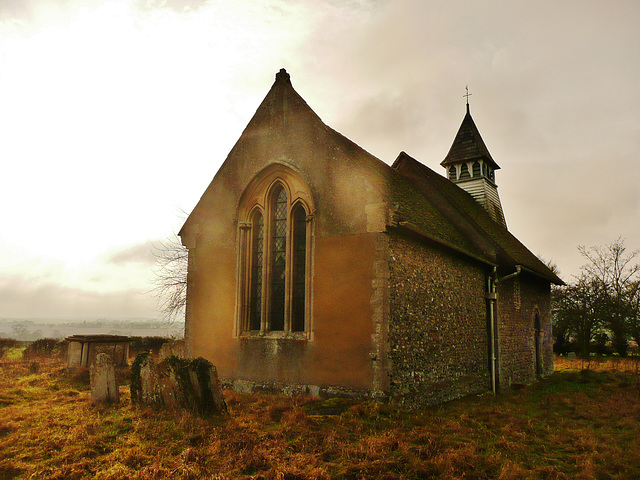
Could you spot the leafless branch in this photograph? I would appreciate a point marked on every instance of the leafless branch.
(170, 280)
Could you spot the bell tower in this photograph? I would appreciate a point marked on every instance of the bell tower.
(470, 166)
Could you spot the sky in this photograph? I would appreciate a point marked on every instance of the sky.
(116, 114)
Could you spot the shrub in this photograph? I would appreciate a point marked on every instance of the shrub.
(6, 344)
(44, 347)
(146, 344)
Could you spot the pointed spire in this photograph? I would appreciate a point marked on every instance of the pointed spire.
(468, 145)
(470, 165)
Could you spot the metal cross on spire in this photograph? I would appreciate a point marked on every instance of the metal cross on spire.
(467, 95)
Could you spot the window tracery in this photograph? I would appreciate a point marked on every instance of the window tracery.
(275, 255)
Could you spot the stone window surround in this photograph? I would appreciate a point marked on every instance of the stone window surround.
(257, 197)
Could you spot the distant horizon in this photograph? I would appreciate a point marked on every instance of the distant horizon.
(35, 328)
(91, 318)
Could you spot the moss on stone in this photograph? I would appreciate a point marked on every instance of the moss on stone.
(136, 380)
(198, 397)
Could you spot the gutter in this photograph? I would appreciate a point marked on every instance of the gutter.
(511, 275)
(492, 298)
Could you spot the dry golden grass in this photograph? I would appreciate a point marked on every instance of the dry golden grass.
(575, 424)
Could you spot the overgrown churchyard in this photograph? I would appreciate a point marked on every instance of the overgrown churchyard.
(581, 422)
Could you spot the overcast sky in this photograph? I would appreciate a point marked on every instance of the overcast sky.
(116, 114)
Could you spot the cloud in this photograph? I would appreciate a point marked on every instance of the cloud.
(141, 253)
(174, 5)
(116, 112)
(20, 297)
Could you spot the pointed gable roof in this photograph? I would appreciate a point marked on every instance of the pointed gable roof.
(282, 107)
(283, 126)
(422, 200)
(468, 145)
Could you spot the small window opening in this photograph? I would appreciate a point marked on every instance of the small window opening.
(299, 268)
(255, 301)
(278, 258)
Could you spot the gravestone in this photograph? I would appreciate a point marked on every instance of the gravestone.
(145, 387)
(176, 382)
(104, 386)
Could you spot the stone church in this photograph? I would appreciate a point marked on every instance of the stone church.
(315, 267)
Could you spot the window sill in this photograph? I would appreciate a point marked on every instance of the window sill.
(279, 335)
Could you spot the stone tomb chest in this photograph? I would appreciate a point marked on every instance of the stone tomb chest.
(84, 348)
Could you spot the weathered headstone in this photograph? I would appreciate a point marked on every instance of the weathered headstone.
(104, 386)
(177, 383)
(144, 380)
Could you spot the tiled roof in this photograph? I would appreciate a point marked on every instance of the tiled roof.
(468, 145)
(490, 239)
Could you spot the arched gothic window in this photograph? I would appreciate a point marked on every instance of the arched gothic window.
(452, 173)
(274, 258)
(537, 339)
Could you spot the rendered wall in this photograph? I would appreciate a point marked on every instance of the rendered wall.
(339, 351)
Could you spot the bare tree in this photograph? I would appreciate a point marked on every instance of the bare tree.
(578, 313)
(170, 281)
(615, 270)
(634, 311)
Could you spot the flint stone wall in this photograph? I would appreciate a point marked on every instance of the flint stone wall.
(438, 346)
(520, 299)
(177, 383)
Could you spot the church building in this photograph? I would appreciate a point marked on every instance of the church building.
(315, 267)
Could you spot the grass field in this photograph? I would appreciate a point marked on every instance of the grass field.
(579, 423)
